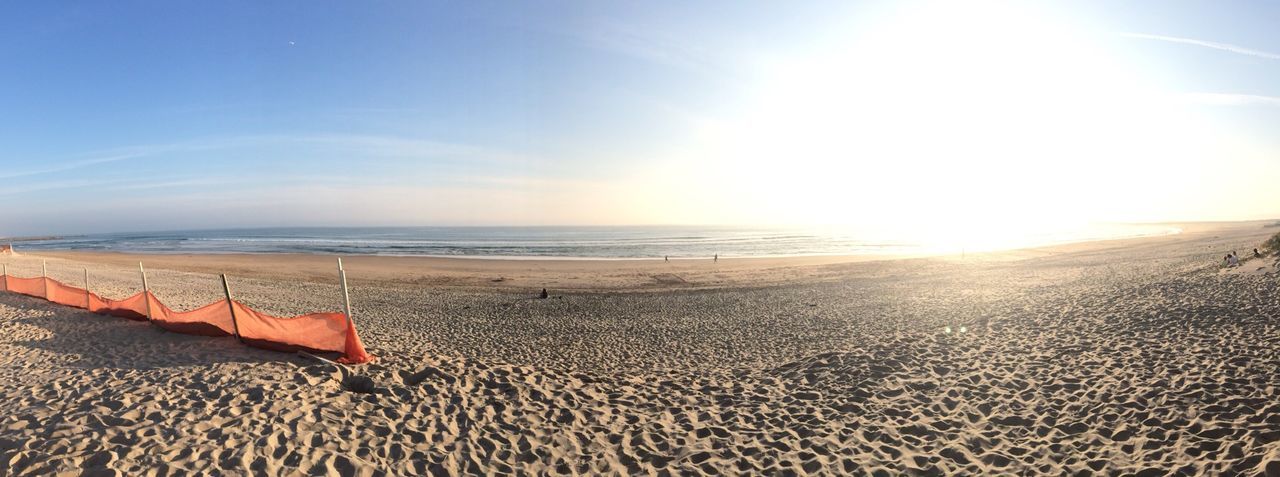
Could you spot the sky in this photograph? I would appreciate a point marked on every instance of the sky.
(911, 117)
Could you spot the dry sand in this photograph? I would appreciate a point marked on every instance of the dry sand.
(471, 273)
(1135, 356)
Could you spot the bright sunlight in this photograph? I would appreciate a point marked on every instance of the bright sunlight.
(954, 125)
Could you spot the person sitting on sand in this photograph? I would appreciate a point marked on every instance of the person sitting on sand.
(1232, 261)
(1256, 253)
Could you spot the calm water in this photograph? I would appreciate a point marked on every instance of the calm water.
(524, 242)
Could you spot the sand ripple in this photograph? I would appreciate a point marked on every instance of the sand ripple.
(1140, 361)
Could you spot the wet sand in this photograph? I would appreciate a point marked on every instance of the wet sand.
(1133, 356)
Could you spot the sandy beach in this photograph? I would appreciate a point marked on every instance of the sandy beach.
(1135, 356)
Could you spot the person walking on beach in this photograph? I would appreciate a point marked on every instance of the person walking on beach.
(666, 258)
(716, 258)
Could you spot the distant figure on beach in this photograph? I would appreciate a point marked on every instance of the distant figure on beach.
(716, 258)
(544, 294)
(1232, 261)
(666, 258)
(1226, 260)
(1256, 253)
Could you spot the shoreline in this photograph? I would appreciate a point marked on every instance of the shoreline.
(889, 249)
(573, 274)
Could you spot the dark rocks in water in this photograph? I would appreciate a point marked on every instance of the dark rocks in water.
(544, 294)
(358, 384)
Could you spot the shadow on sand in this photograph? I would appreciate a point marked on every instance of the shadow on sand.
(88, 340)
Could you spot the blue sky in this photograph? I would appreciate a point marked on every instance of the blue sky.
(167, 115)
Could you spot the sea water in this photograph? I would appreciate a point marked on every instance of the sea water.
(540, 242)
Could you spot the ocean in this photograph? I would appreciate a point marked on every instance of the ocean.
(538, 242)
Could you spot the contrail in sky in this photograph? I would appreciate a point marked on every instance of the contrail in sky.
(1207, 44)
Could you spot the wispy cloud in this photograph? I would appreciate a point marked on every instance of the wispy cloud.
(114, 155)
(20, 189)
(77, 164)
(356, 145)
(1230, 99)
(391, 146)
(169, 184)
(648, 45)
(100, 185)
(1207, 44)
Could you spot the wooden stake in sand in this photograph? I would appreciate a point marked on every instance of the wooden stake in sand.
(44, 278)
(346, 297)
(6, 277)
(146, 292)
(88, 305)
(226, 289)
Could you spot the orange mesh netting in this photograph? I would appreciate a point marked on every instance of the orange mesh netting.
(313, 332)
(26, 286)
(133, 308)
(65, 295)
(213, 319)
(321, 332)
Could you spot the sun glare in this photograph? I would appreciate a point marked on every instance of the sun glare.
(954, 124)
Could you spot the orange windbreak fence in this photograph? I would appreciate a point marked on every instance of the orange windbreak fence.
(316, 332)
